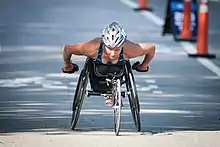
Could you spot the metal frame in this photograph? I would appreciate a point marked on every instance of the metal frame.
(131, 94)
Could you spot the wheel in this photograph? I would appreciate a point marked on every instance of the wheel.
(79, 97)
(117, 107)
(133, 100)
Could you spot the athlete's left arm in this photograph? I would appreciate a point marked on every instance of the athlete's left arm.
(139, 49)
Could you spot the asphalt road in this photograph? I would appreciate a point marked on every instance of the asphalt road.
(178, 93)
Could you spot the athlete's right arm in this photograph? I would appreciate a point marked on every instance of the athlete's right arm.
(76, 49)
(84, 48)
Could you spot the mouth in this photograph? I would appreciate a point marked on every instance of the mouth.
(112, 57)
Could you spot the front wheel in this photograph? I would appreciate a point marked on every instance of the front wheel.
(117, 107)
(79, 97)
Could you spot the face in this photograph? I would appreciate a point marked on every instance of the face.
(113, 53)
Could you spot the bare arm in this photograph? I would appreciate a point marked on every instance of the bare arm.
(149, 52)
(76, 49)
(84, 48)
(140, 49)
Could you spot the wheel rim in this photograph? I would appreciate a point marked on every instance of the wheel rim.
(117, 108)
(79, 99)
(133, 99)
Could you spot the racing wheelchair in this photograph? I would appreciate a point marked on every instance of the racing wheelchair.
(113, 81)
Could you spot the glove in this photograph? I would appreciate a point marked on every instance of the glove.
(75, 69)
(135, 67)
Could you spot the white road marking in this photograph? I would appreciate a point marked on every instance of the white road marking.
(153, 86)
(33, 90)
(33, 48)
(37, 104)
(188, 47)
(21, 82)
(143, 111)
(155, 19)
(157, 92)
(50, 86)
(63, 75)
(73, 83)
(20, 110)
(151, 81)
(13, 85)
(143, 88)
(146, 88)
(0, 48)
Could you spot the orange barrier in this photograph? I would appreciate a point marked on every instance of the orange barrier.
(186, 30)
(143, 5)
(202, 41)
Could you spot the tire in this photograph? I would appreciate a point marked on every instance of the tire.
(133, 99)
(79, 97)
(117, 108)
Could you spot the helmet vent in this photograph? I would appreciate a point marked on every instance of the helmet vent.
(117, 33)
(117, 39)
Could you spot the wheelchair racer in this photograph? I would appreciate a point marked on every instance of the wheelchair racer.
(112, 47)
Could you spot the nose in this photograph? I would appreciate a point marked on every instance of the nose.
(112, 53)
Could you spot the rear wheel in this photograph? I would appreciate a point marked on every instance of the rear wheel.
(79, 97)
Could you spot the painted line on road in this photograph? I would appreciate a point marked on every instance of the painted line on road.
(188, 47)
(143, 111)
(20, 111)
(157, 92)
(150, 81)
(0, 48)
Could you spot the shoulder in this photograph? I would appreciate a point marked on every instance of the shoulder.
(131, 49)
(136, 49)
(93, 43)
(90, 47)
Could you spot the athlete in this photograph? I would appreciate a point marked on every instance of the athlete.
(111, 48)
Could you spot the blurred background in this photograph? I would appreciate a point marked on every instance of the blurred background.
(178, 93)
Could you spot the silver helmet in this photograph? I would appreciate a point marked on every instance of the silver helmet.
(113, 35)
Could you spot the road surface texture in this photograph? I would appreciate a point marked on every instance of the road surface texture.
(179, 96)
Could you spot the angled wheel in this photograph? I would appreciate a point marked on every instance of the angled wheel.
(79, 97)
(117, 107)
(133, 99)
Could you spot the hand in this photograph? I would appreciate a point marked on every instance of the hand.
(140, 67)
(70, 68)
